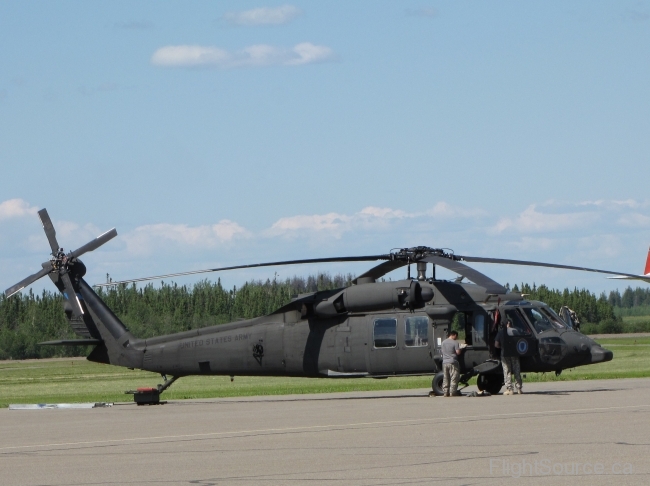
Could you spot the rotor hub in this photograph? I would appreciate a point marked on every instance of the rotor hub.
(418, 252)
(60, 261)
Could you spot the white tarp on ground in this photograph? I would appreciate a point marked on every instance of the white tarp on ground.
(43, 406)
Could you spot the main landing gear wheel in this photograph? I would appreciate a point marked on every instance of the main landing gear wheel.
(490, 383)
(436, 384)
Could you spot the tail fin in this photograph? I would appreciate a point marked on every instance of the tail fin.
(647, 264)
(89, 316)
(118, 347)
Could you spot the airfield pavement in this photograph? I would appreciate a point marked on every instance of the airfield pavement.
(574, 432)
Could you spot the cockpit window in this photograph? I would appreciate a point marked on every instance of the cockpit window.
(553, 317)
(518, 322)
(539, 321)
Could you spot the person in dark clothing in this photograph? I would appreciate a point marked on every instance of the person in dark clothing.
(510, 364)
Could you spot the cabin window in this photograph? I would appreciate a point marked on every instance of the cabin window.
(478, 331)
(415, 331)
(385, 333)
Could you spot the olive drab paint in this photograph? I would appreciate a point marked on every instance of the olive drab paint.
(369, 329)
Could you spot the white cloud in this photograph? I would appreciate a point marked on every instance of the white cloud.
(445, 210)
(601, 234)
(16, 208)
(528, 244)
(533, 221)
(306, 53)
(143, 238)
(634, 220)
(263, 16)
(614, 204)
(252, 56)
(69, 235)
(68, 229)
(187, 56)
(368, 219)
(330, 222)
(599, 248)
(386, 213)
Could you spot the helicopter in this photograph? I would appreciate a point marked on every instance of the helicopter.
(371, 328)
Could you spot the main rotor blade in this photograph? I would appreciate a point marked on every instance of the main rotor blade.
(254, 265)
(71, 295)
(472, 275)
(540, 264)
(382, 269)
(94, 244)
(47, 268)
(49, 230)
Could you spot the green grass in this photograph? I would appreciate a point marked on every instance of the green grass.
(78, 380)
(638, 311)
(635, 319)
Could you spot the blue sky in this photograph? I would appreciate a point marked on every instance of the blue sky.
(234, 132)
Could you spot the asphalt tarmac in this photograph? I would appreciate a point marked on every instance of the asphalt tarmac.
(589, 432)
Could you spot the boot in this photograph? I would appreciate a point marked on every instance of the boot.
(508, 392)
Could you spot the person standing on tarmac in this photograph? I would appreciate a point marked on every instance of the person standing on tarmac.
(451, 349)
(510, 363)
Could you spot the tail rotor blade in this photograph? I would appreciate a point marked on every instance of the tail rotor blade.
(94, 244)
(49, 230)
(71, 295)
(47, 268)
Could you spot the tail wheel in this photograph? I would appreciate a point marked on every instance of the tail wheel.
(436, 384)
(490, 383)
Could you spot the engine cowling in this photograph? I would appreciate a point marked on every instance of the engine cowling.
(405, 294)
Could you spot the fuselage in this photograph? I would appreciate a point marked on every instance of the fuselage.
(311, 338)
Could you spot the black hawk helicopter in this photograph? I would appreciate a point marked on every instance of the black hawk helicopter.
(370, 329)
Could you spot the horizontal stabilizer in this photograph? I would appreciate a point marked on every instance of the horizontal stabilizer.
(72, 342)
(645, 278)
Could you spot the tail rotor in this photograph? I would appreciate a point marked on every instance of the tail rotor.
(67, 266)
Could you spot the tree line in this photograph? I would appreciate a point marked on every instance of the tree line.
(638, 297)
(30, 318)
(27, 319)
(589, 308)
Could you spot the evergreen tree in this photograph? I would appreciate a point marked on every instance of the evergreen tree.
(148, 310)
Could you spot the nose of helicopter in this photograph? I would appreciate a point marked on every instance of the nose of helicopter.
(600, 355)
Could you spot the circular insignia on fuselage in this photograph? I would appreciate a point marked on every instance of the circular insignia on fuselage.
(522, 346)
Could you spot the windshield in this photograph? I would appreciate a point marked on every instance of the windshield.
(553, 317)
(518, 322)
(539, 321)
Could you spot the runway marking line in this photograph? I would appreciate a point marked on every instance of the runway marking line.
(321, 427)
